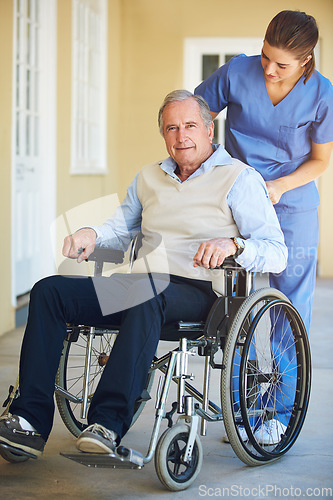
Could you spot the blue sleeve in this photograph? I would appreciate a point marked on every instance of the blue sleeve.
(322, 127)
(257, 222)
(215, 89)
(118, 231)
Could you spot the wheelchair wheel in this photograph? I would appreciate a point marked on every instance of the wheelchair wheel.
(70, 377)
(265, 383)
(170, 467)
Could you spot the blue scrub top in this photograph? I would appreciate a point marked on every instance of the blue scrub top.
(275, 140)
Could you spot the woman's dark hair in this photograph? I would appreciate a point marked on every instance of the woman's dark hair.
(296, 32)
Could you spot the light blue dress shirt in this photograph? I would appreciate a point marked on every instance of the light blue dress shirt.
(248, 201)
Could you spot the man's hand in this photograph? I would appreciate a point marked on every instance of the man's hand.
(80, 244)
(212, 253)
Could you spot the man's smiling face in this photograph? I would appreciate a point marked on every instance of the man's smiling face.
(187, 139)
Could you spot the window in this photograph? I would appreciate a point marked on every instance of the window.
(27, 78)
(88, 147)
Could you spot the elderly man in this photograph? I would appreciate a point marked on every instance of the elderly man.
(194, 209)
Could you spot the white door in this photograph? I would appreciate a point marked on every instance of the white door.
(202, 56)
(33, 148)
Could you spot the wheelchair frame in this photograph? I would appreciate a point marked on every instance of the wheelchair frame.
(178, 452)
(265, 382)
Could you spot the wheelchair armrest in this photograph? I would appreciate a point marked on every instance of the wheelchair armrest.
(117, 257)
(107, 255)
(230, 263)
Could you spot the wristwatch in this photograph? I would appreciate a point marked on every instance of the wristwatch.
(240, 246)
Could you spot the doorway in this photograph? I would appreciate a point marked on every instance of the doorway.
(33, 143)
(202, 56)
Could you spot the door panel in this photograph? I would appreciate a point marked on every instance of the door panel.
(33, 192)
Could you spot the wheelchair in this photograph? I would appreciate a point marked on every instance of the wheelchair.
(257, 342)
(265, 379)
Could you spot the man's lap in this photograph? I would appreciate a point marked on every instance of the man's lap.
(101, 300)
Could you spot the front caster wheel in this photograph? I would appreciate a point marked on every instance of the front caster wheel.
(172, 470)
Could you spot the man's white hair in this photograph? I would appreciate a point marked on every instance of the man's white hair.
(183, 95)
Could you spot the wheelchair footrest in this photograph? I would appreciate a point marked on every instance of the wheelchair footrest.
(123, 458)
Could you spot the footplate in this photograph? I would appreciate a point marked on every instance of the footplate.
(123, 458)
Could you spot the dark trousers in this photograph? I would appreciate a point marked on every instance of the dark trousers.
(139, 304)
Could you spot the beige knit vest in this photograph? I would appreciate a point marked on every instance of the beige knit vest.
(177, 217)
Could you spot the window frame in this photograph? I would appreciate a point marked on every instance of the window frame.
(89, 88)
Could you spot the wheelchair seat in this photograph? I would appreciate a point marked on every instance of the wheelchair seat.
(179, 329)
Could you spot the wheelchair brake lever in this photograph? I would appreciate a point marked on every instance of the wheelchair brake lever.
(170, 413)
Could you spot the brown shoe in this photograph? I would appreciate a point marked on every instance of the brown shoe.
(12, 434)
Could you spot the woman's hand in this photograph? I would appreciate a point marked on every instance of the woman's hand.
(307, 172)
(275, 190)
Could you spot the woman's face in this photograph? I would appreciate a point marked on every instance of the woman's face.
(280, 65)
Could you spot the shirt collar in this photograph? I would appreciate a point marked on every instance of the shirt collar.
(219, 157)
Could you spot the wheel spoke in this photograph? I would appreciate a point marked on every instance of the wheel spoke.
(70, 376)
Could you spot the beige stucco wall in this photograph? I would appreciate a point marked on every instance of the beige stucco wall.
(152, 65)
(145, 61)
(76, 189)
(6, 38)
(71, 190)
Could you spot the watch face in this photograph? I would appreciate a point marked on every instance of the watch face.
(240, 246)
(239, 243)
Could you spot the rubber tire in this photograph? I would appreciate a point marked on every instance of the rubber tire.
(162, 454)
(236, 442)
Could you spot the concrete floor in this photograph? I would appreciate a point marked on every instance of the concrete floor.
(306, 470)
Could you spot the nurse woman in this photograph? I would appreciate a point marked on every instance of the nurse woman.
(280, 121)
